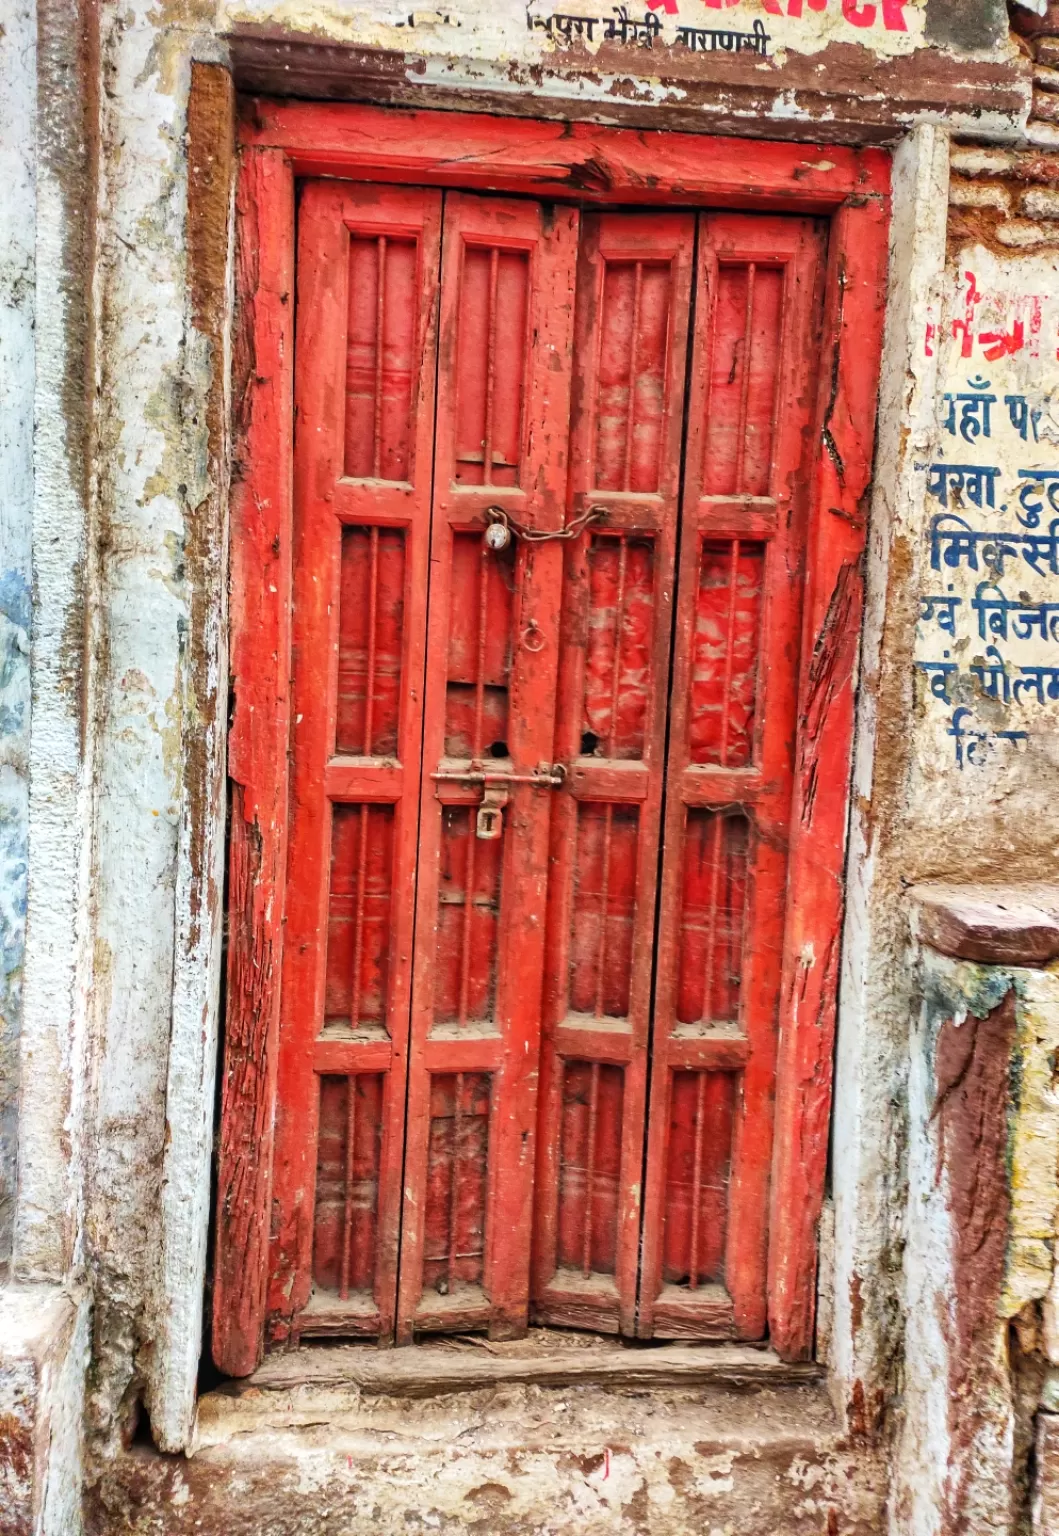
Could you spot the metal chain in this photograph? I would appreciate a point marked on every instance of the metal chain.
(537, 536)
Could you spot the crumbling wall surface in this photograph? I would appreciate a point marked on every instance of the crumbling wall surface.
(512, 1459)
(158, 712)
(983, 1206)
(957, 764)
(875, 993)
(857, 70)
(47, 119)
(52, 1145)
(17, 111)
(43, 1361)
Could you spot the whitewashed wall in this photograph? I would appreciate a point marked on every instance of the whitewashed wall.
(18, 54)
(121, 987)
(511, 30)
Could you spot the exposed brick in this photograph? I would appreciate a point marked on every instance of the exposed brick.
(970, 160)
(1041, 203)
(1021, 234)
(1044, 135)
(975, 194)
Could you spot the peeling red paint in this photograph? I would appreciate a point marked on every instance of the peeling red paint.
(972, 1074)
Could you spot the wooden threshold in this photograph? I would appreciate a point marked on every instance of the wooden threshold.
(428, 1370)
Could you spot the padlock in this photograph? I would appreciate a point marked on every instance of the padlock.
(497, 537)
(489, 824)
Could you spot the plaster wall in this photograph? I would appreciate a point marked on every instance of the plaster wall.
(514, 32)
(982, 1206)
(42, 1381)
(958, 752)
(17, 171)
(126, 757)
(55, 1065)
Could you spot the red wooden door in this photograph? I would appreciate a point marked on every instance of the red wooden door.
(367, 280)
(502, 429)
(634, 287)
(371, 492)
(729, 777)
(539, 793)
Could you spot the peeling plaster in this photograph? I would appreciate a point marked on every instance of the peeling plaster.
(153, 472)
(956, 1464)
(459, 28)
(17, 278)
(875, 997)
(55, 1061)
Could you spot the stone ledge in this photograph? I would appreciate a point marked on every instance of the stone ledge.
(544, 1358)
(990, 924)
(510, 1458)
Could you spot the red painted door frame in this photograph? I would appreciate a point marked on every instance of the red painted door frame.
(282, 142)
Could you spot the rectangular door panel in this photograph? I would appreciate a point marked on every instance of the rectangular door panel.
(729, 777)
(506, 335)
(634, 281)
(365, 369)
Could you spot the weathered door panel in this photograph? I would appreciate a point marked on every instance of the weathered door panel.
(367, 277)
(634, 282)
(505, 348)
(729, 777)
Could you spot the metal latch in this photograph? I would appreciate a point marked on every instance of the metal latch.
(489, 823)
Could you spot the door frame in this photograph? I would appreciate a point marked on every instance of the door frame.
(284, 141)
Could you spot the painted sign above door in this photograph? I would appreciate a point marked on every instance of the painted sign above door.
(759, 27)
(639, 34)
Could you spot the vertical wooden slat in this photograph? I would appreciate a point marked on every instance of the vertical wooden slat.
(590, 1167)
(729, 635)
(744, 389)
(380, 321)
(347, 1215)
(358, 920)
(454, 1188)
(257, 752)
(373, 605)
(630, 413)
(619, 631)
(696, 1182)
(490, 384)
